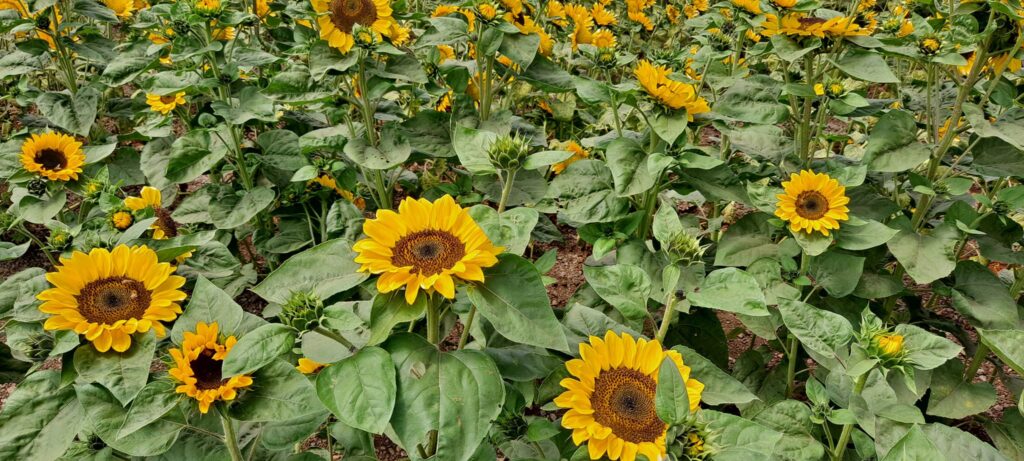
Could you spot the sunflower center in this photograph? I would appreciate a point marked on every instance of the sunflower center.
(168, 99)
(165, 222)
(347, 13)
(51, 159)
(111, 299)
(811, 205)
(623, 400)
(207, 371)
(429, 252)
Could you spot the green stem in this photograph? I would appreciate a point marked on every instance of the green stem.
(39, 243)
(506, 190)
(336, 337)
(464, 337)
(979, 358)
(793, 350)
(230, 439)
(433, 323)
(844, 438)
(668, 318)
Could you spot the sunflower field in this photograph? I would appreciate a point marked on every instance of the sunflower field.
(522, 230)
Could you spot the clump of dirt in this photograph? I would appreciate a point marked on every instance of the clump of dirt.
(568, 268)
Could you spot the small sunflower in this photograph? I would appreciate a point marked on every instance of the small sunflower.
(327, 181)
(604, 38)
(122, 8)
(578, 153)
(889, 345)
(812, 202)
(122, 220)
(165, 104)
(611, 397)
(109, 295)
(308, 366)
(54, 156)
(670, 93)
(198, 367)
(337, 18)
(425, 246)
(150, 198)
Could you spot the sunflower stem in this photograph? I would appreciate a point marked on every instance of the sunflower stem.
(844, 438)
(666, 320)
(793, 350)
(506, 190)
(464, 337)
(230, 439)
(979, 358)
(336, 337)
(39, 243)
(433, 322)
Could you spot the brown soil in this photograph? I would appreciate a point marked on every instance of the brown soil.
(568, 268)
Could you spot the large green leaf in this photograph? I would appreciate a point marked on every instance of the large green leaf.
(926, 350)
(818, 330)
(471, 146)
(753, 100)
(956, 444)
(360, 390)
(838, 273)
(1008, 345)
(671, 400)
(124, 374)
(258, 348)
(953, 398)
(39, 419)
(914, 446)
(234, 210)
(336, 271)
(893, 146)
(585, 193)
(210, 304)
(983, 298)
(457, 394)
(74, 113)
(749, 240)
(194, 154)
(625, 286)
(390, 309)
(867, 66)
(861, 234)
(153, 402)
(105, 417)
(510, 229)
(926, 257)
(740, 439)
(278, 392)
(733, 290)
(719, 387)
(251, 105)
(628, 163)
(392, 150)
(512, 297)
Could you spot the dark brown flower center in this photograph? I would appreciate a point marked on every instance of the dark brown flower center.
(429, 252)
(51, 159)
(347, 13)
(623, 400)
(165, 222)
(168, 99)
(207, 371)
(811, 21)
(111, 299)
(811, 205)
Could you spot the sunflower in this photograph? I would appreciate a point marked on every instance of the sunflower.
(578, 153)
(812, 202)
(670, 93)
(602, 16)
(123, 8)
(425, 246)
(795, 24)
(338, 17)
(604, 38)
(611, 397)
(55, 156)
(122, 220)
(327, 181)
(198, 366)
(109, 295)
(889, 345)
(308, 367)
(751, 6)
(150, 197)
(165, 104)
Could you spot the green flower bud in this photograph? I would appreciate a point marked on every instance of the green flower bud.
(59, 238)
(302, 311)
(685, 249)
(37, 187)
(509, 152)
(364, 37)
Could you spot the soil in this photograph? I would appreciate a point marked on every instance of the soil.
(568, 268)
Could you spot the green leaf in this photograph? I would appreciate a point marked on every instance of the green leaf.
(258, 348)
(956, 444)
(733, 290)
(194, 154)
(284, 435)
(863, 234)
(278, 392)
(336, 272)
(210, 304)
(72, 113)
(753, 100)
(1008, 433)
(124, 374)
(360, 390)
(951, 397)
(628, 164)
(105, 416)
(513, 298)
(914, 446)
(153, 402)
(18, 295)
(668, 127)
(471, 147)
(585, 193)
(457, 394)
(747, 241)
(995, 157)
(790, 50)
(626, 287)
(545, 158)
(926, 350)
(584, 322)
(390, 309)
(1008, 345)
(252, 105)
(893, 145)
(233, 210)
(926, 258)
(521, 49)
(1007, 128)
(740, 439)
(818, 330)
(511, 229)
(39, 419)
(814, 243)
(9, 251)
(838, 273)
(393, 150)
(867, 66)
(38, 210)
(719, 387)
(983, 298)
(671, 400)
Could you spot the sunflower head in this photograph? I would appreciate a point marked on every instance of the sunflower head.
(54, 156)
(302, 311)
(889, 345)
(610, 397)
(121, 220)
(509, 152)
(930, 45)
(812, 202)
(338, 20)
(425, 246)
(109, 295)
(308, 366)
(198, 367)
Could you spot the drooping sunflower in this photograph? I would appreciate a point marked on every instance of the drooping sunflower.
(812, 202)
(327, 181)
(425, 246)
(165, 104)
(670, 93)
(164, 227)
(611, 397)
(55, 156)
(109, 295)
(198, 367)
(337, 18)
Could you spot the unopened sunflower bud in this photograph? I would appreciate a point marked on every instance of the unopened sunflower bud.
(37, 187)
(39, 347)
(1001, 207)
(889, 345)
(364, 37)
(699, 442)
(43, 21)
(302, 311)
(685, 249)
(929, 46)
(605, 57)
(121, 220)
(509, 152)
(59, 238)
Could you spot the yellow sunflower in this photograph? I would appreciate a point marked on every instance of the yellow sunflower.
(425, 246)
(123, 8)
(109, 295)
(327, 181)
(308, 366)
(164, 227)
(338, 17)
(670, 93)
(578, 153)
(122, 220)
(55, 156)
(604, 38)
(812, 202)
(611, 397)
(198, 367)
(751, 6)
(165, 104)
